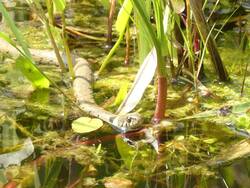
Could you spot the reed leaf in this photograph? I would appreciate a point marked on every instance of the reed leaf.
(123, 16)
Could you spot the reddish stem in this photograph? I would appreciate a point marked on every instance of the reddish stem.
(161, 100)
(109, 138)
(11, 184)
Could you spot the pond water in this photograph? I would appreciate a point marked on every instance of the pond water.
(200, 152)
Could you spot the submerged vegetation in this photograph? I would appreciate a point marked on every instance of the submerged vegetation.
(124, 93)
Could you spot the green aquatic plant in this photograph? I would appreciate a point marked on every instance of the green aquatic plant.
(37, 7)
(25, 62)
(60, 6)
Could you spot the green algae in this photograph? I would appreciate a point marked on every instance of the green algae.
(182, 154)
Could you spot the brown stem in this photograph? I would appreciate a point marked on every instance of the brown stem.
(110, 22)
(203, 28)
(55, 47)
(161, 100)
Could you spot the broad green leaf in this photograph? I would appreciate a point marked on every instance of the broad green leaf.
(123, 16)
(86, 124)
(59, 5)
(31, 72)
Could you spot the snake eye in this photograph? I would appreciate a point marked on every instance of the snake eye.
(129, 119)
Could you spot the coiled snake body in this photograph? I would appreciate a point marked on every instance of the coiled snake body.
(82, 89)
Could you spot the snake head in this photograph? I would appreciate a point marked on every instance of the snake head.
(128, 122)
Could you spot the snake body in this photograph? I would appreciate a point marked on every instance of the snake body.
(82, 86)
(84, 95)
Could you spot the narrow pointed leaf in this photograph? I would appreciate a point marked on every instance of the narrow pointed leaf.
(121, 94)
(142, 80)
(123, 16)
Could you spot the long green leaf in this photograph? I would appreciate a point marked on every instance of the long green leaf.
(123, 16)
(147, 25)
(144, 45)
(152, 36)
(105, 62)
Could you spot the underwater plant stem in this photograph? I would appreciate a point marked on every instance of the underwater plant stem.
(111, 52)
(66, 48)
(110, 22)
(50, 8)
(203, 28)
(56, 50)
(161, 99)
(190, 39)
(39, 11)
(244, 79)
